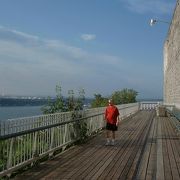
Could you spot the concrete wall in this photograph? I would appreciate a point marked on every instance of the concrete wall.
(172, 61)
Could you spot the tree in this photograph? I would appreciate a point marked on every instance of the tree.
(80, 99)
(55, 106)
(62, 105)
(99, 101)
(124, 96)
(70, 100)
(75, 105)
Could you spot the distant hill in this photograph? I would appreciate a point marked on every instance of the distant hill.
(28, 102)
(22, 102)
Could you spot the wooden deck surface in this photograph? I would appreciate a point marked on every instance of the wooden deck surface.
(147, 147)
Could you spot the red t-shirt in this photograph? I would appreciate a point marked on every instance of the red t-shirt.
(111, 114)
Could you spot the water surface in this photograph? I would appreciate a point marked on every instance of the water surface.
(11, 112)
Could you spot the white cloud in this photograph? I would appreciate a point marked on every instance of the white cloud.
(32, 65)
(150, 6)
(88, 37)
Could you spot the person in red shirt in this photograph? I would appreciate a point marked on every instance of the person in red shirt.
(112, 120)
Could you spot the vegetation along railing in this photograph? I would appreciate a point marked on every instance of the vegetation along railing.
(24, 141)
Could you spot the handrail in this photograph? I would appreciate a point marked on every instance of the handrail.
(176, 119)
(53, 125)
(13, 126)
(25, 145)
(44, 127)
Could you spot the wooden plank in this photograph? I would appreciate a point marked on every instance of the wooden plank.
(45, 168)
(82, 166)
(136, 122)
(64, 159)
(167, 167)
(173, 165)
(141, 174)
(160, 162)
(123, 157)
(99, 168)
(93, 163)
(175, 141)
(122, 162)
(175, 146)
(97, 171)
(151, 168)
(142, 169)
(140, 146)
(72, 167)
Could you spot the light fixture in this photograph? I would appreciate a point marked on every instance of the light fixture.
(153, 21)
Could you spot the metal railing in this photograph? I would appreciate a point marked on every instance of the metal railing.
(175, 116)
(23, 141)
(149, 105)
(176, 123)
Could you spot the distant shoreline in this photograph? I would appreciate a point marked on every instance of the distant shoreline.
(15, 102)
(7, 102)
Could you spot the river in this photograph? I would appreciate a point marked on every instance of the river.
(11, 112)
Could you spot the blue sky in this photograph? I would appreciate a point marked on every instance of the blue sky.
(99, 45)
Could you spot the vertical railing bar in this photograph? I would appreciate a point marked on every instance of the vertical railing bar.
(27, 147)
(31, 145)
(21, 149)
(39, 142)
(10, 154)
(24, 142)
(18, 150)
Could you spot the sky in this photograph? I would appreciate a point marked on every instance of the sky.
(101, 46)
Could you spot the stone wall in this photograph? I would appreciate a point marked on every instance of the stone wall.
(172, 61)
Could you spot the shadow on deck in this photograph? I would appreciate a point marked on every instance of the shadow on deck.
(147, 147)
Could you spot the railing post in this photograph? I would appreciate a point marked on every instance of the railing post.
(139, 106)
(10, 155)
(64, 137)
(34, 150)
(52, 141)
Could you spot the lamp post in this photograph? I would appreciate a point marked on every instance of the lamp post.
(153, 21)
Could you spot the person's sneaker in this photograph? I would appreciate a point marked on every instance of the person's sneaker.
(112, 143)
(107, 143)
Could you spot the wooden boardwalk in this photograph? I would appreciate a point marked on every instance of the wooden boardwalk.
(147, 147)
